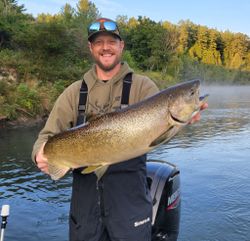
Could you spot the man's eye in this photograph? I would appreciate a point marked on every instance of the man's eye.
(98, 42)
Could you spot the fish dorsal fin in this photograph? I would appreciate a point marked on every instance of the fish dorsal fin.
(166, 136)
(94, 117)
(57, 172)
(90, 169)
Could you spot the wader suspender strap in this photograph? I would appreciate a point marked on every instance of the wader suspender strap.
(81, 118)
(127, 81)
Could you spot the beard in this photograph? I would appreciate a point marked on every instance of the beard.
(109, 67)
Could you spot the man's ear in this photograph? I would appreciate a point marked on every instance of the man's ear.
(90, 47)
(122, 44)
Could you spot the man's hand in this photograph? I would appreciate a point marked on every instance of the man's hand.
(42, 161)
(197, 117)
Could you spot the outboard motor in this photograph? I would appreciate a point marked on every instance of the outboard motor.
(164, 183)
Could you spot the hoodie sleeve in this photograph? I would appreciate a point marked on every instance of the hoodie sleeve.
(61, 118)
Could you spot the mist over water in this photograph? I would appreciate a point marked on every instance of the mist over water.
(212, 155)
(227, 96)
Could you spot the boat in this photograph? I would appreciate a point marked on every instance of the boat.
(163, 179)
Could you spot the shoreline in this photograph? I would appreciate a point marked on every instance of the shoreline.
(21, 122)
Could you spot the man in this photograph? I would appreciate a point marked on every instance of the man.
(108, 204)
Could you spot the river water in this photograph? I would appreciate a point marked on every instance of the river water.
(212, 155)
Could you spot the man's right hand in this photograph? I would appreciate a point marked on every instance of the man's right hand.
(41, 160)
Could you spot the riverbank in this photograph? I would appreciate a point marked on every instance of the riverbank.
(23, 121)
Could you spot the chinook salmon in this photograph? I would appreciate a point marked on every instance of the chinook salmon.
(124, 134)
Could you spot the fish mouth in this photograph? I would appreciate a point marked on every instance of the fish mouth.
(184, 122)
(202, 100)
(181, 122)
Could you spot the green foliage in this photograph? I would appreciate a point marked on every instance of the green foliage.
(192, 69)
(145, 42)
(49, 52)
(3, 88)
(57, 89)
(12, 23)
(9, 57)
(7, 110)
(49, 39)
(7, 103)
(27, 98)
(162, 80)
(18, 100)
(129, 59)
(11, 6)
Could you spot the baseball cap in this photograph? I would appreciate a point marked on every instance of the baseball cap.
(103, 25)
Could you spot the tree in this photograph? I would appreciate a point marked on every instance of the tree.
(87, 11)
(151, 44)
(187, 35)
(236, 50)
(212, 54)
(13, 23)
(10, 7)
(67, 13)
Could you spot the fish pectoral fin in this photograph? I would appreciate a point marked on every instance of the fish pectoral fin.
(166, 136)
(90, 169)
(57, 172)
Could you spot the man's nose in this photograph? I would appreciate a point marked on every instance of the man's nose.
(106, 45)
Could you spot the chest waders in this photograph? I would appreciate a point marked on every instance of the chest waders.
(118, 206)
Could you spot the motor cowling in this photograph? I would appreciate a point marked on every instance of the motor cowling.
(164, 183)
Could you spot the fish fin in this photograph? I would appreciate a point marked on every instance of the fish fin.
(166, 136)
(57, 172)
(90, 169)
(94, 117)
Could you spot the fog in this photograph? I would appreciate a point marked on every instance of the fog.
(227, 95)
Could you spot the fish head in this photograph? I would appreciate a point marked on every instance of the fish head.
(184, 101)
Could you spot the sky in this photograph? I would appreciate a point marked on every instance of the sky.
(232, 15)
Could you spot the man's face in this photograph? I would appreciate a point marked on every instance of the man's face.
(106, 51)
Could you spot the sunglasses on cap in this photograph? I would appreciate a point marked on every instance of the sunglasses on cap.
(103, 26)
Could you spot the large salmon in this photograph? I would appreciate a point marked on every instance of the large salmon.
(124, 134)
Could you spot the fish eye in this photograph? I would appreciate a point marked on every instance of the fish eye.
(192, 92)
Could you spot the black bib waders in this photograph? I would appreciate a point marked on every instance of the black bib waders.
(117, 207)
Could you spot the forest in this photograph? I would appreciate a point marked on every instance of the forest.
(40, 56)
